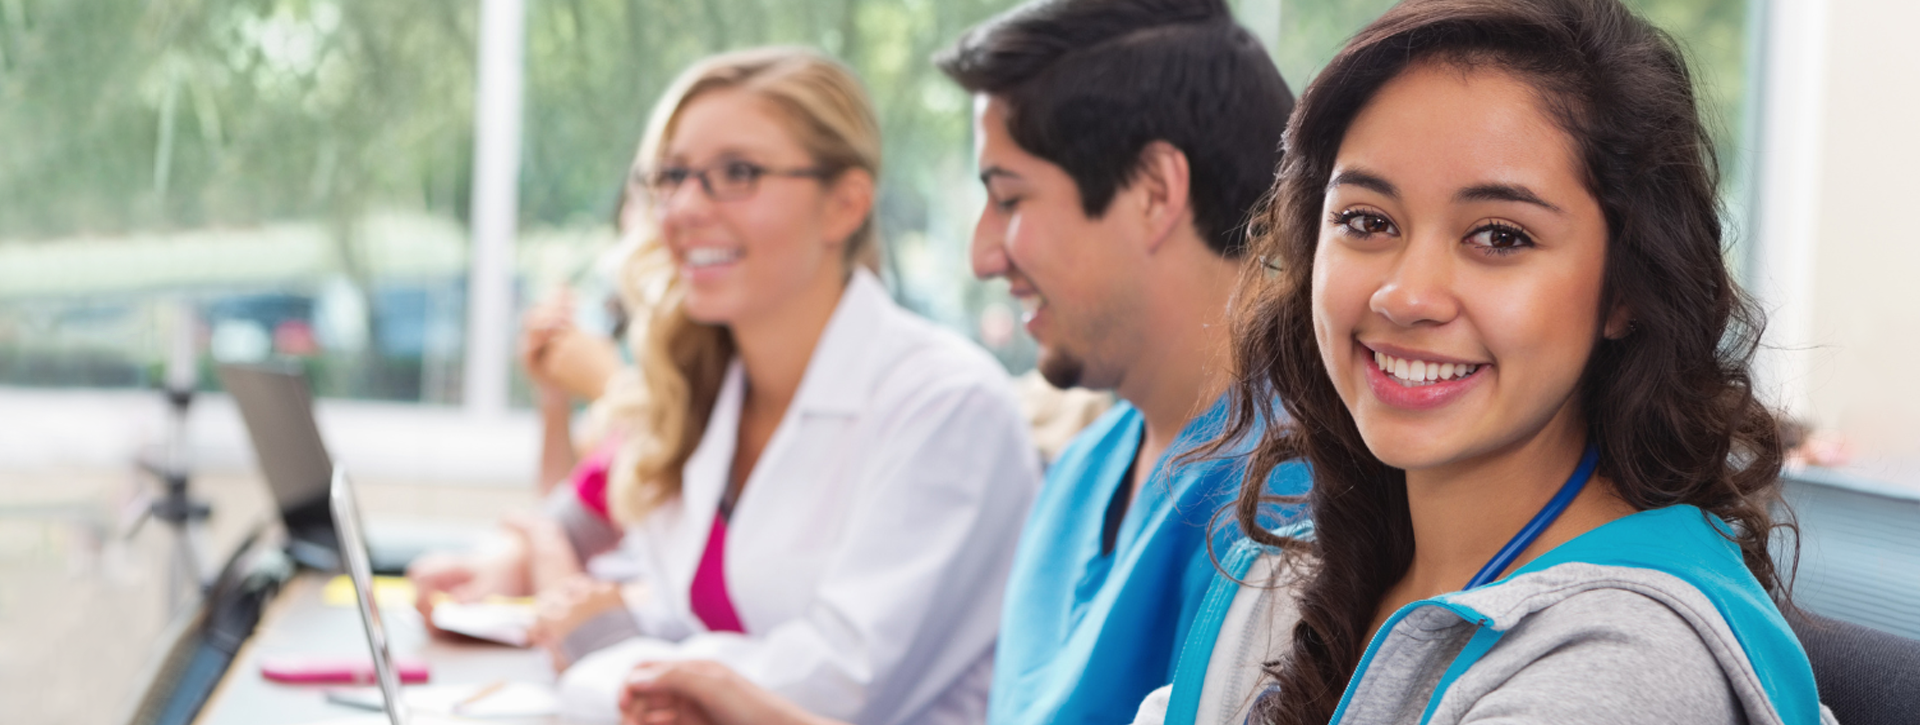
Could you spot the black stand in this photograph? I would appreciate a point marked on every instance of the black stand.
(177, 508)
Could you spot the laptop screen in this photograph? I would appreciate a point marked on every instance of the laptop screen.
(278, 410)
(353, 548)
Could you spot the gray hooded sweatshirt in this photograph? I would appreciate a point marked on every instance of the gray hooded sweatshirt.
(1575, 638)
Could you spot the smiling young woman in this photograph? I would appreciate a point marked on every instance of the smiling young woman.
(1496, 310)
(813, 486)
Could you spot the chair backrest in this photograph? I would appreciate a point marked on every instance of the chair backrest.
(1866, 676)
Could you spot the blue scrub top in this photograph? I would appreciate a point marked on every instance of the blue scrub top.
(1085, 635)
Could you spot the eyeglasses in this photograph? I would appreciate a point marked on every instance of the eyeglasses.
(723, 181)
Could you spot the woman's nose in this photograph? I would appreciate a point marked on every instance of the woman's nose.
(684, 205)
(1419, 288)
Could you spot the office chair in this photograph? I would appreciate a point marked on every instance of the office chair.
(1866, 676)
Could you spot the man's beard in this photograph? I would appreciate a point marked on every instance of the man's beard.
(1060, 368)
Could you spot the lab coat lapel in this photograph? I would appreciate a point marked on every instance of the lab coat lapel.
(839, 379)
(704, 478)
(847, 363)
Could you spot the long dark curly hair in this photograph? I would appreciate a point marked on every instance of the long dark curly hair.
(1670, 405)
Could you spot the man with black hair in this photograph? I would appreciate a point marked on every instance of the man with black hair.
(1123, 144)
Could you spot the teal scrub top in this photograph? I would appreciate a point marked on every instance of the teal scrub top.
(1085, 634)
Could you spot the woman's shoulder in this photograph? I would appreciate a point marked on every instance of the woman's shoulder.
(1570, 661)
(876, 355)
(1611, 620)
(1600, 655)
(921, 358)
(911, 346)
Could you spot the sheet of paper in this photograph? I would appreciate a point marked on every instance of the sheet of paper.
(381, 719)
(505, 622)
(507, 701)
(511, 700)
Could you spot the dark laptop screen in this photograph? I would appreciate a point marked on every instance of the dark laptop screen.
(278, 410)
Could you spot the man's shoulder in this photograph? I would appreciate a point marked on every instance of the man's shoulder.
(1067, 500)
(1099, 442)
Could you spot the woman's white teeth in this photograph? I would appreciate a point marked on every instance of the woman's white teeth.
(709, 256)
(1420, 372)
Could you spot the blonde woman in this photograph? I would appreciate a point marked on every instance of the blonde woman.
(817, 488)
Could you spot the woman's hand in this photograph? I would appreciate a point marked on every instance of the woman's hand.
(579, 362)
(434, 575)
(538, 328)
(535, 556)
(549, 560)
(562, 360)
(563, 609)
(466, 578)
(698, 692)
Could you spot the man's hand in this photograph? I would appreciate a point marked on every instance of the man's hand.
(698, 692)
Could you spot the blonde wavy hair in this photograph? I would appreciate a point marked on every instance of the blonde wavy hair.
(663, 408)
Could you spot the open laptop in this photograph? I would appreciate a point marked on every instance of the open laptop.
(278, 410)
(517, 703)
(353, 548)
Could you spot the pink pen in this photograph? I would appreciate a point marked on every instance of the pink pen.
(336, 670)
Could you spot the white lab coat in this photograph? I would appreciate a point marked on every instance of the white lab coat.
(868, 552)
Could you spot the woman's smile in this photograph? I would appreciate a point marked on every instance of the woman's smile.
(1414, 380)
(706, 263)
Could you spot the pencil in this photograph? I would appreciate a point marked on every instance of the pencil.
(478, 695)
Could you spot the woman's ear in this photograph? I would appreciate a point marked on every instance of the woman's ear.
(1620, 322)
(849, 204)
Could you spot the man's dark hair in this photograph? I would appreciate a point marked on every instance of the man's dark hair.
(1089, 83)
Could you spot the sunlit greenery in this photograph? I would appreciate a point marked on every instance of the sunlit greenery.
(1713, 33)
(127, 115)
(346, 126)
(124, 114)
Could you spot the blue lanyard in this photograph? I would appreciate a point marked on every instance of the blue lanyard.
(1540, 522)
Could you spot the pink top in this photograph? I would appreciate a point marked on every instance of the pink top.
(710, 600)
(709, 597)
(590, 476)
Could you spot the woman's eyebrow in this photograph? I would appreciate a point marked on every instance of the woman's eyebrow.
(730, 152)
(1364, 179)
(1505, 192)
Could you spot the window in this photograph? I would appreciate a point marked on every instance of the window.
(298, 172)
(292, 171)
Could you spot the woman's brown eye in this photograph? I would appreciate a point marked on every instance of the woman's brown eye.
(741, 172)
(1499, 238)
(1368, 224)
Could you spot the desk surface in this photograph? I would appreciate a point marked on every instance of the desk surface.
(298, 622)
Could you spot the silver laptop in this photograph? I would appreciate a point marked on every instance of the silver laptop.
(353, 548)
(353, 553)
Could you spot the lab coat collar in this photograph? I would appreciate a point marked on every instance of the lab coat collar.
(840, 377)
(847, 362)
